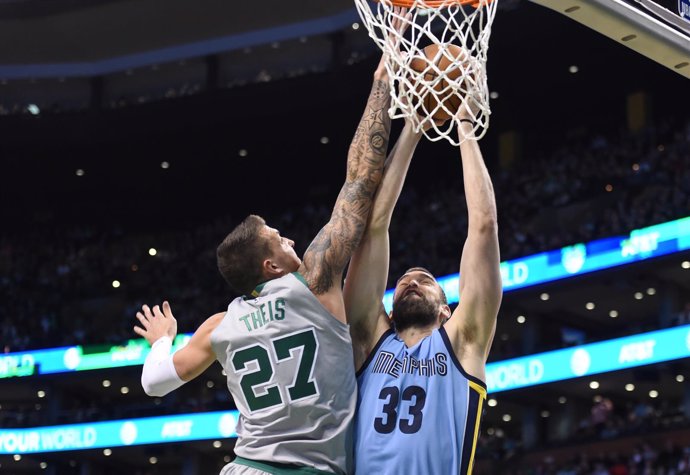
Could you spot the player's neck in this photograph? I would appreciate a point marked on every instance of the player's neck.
(413, 335)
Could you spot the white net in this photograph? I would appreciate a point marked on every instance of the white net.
(430, 91)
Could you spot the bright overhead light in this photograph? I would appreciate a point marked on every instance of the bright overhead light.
(43, 465)
(41, 394)
(116, 284)
(521, 319)
(685, 264)
(651, 291)
(653, 393)
(638, 296)
(79, 172)
(507, 418)
(545, 414)
(153, 251)
(124, 389)
(630, 387)
(107, 452)
(545, 296)
(165, 165)
(217, 444)
(243, 153)
(17, 457)
(325, 140)
(562, 400)
(590, 305)
(153, 460)
(492, 402)
(355, 26)
(680, 378)
(573, 69)
(493, 95)
(33, 109)
(594, 384)
(613, 313)
(106, 383)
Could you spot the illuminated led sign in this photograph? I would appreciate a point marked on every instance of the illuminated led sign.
(542, 368)
(148, 430)
(585, 360)
(550, 266)
(641, 244)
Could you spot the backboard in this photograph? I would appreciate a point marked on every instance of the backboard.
(658, 29)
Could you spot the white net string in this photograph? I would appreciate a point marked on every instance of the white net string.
(464, 82)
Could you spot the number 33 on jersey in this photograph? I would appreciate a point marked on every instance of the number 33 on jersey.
(417, 406)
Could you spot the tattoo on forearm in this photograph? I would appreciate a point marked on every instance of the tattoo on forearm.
(332, 248)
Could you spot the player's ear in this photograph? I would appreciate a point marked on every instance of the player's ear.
(271, 269)
(444, 314)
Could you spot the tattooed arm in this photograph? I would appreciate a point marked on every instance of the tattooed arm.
(328, 254)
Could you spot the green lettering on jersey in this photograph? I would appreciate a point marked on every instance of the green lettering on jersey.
(244, 319)
(280, 309)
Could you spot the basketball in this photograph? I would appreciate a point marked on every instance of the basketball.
(437, 68)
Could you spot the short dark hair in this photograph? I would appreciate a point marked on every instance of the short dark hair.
(424, 269)
(241, 253)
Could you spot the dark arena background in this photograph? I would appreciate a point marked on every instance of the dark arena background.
(135, 134)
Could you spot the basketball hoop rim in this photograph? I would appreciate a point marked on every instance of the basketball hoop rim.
(435, 4)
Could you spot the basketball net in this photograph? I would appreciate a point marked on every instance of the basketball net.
(466, 24)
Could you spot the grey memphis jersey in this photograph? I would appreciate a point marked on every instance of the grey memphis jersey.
(290, 371)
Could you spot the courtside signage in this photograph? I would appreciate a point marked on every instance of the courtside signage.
(78, 358)
(586, 360)
(149, 430)
(579, 259)
(639, 245)
(581, 361)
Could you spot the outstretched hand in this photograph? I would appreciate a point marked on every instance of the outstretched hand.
(156, 324)
(400, 22)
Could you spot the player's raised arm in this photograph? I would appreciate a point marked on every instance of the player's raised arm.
(163, 372)
(368, 271)
(327, 255)
(473, 322)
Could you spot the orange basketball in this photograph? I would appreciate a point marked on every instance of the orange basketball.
(447, 63)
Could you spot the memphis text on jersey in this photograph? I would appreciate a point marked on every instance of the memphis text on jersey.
(387, 363)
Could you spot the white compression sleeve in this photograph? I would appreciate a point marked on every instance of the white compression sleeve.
(159, 377)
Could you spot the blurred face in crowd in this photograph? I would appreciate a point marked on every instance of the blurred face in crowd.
(418, 301)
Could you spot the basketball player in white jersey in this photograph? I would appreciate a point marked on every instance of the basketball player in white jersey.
(285, 345)
(421, 370)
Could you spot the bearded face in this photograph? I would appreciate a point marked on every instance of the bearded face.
(417, 301)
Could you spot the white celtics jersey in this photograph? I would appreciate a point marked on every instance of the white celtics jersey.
(290, 371)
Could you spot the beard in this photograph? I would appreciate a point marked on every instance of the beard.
(411, 312)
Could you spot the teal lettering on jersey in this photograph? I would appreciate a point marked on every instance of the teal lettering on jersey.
(262, 316)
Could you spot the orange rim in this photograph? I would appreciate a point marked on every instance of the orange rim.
(434, 3)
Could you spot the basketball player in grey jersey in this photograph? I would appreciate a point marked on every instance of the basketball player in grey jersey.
(285, 345)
